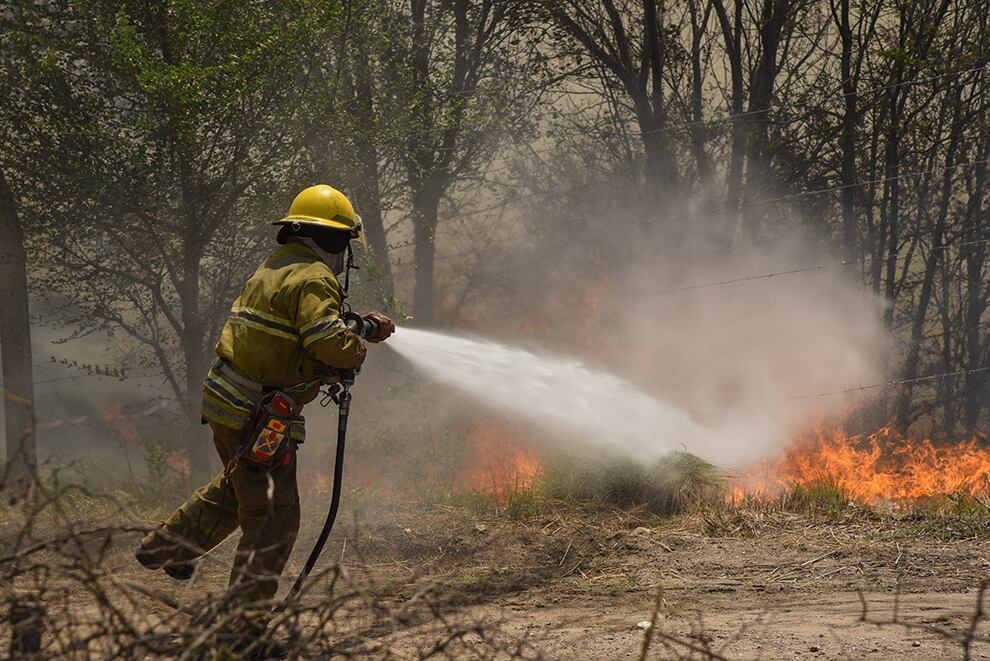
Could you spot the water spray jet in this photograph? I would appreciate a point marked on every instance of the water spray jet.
(560, 394)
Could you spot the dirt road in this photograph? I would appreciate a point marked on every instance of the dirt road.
(756, 586)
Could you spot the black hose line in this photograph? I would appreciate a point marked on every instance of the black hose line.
(338, 470)
(363, 327)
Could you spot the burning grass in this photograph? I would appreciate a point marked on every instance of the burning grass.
(511, 521)
(870, 468)
(493, 469)
(942, 488)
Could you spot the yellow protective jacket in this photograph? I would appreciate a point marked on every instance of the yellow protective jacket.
(284, 330)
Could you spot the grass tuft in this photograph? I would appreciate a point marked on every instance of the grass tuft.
(671, 485)
(826, 495)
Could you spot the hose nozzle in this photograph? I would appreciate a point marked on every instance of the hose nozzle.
(360, 325)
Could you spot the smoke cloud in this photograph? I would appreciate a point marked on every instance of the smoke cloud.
(641, 345)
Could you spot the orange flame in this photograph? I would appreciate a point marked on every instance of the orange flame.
(115, 418)
(497, 462)
(179, 464)
(869, 468)
(321, 483)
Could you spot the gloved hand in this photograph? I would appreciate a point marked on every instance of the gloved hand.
(384, 325)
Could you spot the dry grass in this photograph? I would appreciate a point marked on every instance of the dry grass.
(72, 591)
(68, 593)
(410, 578)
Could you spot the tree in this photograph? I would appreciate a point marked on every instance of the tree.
(851, 69)
(460, 76)
(348, 131)
(20, 68)
(176, 142)
(775, 22)
(146, 143)
(630, 41)
(15, 338)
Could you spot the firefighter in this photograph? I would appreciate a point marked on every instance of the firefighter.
(284, 334)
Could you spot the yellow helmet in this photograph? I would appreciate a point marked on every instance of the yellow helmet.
(324, 206)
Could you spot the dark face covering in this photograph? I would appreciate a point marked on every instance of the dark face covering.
(335, 260)
(331, 246)
(329, 240)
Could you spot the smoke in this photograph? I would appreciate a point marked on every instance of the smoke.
(603, 338)
(726, 373)
(755, 358)
(644, 342)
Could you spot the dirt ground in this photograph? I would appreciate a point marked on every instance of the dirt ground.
(583, 585)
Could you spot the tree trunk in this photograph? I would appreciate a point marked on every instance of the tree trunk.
(27, 626)
(931, 266)
(661, 170)
(890, 207)
(732, 36)
(15, 340)
(758, 172)
(192, 334)
(193, 328)
(369, 194)
(196, 356)
(974, 256)
(368, 187)
(660, 161)
(701, 158)
(426, 205)
(850, 118)
(946, 386)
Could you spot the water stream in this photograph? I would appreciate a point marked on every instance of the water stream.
(562, 396)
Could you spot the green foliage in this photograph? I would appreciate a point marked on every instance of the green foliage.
(521, 502)
(825, 495)
(670, 485)
(85, 491)
(954, 516)
(148, 143)
(518, 502)
(162, 485)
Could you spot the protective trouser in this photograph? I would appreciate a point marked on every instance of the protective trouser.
(237, 498)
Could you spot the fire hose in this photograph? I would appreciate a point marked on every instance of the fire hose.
(365, 328)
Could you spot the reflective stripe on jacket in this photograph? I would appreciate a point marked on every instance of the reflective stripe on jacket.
(231, 406)
(283, 330)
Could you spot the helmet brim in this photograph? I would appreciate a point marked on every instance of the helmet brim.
(357, 232)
